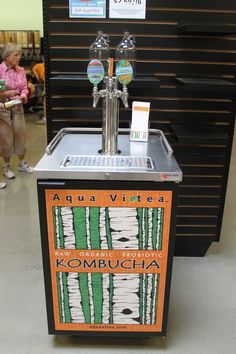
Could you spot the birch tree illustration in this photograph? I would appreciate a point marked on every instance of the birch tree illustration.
(109, 298)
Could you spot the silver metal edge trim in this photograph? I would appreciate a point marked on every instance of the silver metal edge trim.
(165, 141)
(51, 146)
(108, 176)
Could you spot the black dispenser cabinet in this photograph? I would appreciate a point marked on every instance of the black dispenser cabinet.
(107, 230)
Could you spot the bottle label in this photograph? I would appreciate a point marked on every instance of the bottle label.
(95, 71)
(124, 72)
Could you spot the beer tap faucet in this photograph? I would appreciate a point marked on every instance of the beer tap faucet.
(124, 94)
(96, 95)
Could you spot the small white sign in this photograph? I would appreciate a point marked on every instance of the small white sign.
(127, 9)
(88, 8)
(140, 121)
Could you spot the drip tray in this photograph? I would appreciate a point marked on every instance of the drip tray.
(101, 162)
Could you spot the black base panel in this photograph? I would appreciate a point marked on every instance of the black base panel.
(190, 248)
(84, 334)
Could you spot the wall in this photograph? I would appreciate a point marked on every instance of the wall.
(22, 15)
(198, 120)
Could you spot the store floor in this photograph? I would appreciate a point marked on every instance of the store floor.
(202, 314)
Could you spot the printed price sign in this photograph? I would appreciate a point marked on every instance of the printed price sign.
(127, 9)
(88, 8)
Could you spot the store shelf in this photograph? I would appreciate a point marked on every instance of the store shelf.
(199, 134)
(213, 29)
(70, 79)
(213, 84)
(81, 79)
(145, 82)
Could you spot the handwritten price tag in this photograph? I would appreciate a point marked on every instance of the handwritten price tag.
(133, 2)
(127, 9)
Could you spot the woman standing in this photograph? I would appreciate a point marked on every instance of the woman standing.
(12, 121)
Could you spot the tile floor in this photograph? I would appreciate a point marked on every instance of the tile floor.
(202, 314)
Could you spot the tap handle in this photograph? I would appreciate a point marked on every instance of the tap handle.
(110, 67)
(124, 96)
(96, 96)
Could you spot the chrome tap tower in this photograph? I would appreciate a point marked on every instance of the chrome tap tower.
(110, 112)
(100, 68)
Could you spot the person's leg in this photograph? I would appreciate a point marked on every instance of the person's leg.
(29, 106)
(43, 120)
(44, 106)
(6, 160)
(19, 139)
(6, 142)
(32, 104)
(7, 172)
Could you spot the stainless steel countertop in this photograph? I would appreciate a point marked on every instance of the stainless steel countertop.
(75, 143)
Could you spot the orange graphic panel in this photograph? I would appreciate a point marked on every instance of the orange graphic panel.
(108, 258)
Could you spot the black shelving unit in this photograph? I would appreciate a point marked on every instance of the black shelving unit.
(199, 134)
(81, 80)
(209, 84)
(213, 29)
(199, 101)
